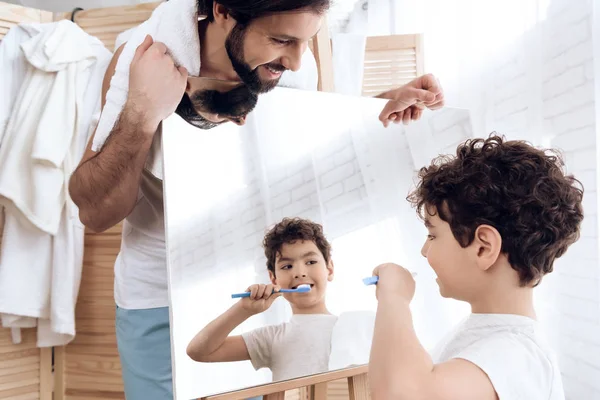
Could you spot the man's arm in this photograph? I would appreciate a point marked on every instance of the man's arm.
(105, 184)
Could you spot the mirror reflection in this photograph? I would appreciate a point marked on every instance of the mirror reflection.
(310, 200)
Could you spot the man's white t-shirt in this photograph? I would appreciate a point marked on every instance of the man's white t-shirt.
(511, 350)
(297, 348)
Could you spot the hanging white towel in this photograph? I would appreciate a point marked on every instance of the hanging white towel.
(351, 339)
(348, 57)
(48, 128)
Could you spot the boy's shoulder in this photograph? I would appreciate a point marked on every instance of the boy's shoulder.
(512, 351)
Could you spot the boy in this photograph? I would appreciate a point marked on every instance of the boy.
(498, 215)
(297, 253)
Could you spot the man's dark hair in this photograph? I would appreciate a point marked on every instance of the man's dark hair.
(510, 185)
(244, 11)
(289, 230)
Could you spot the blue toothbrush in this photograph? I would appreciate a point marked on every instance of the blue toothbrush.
(372, 280)
(299, 289)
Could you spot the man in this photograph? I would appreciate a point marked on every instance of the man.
(247, 41)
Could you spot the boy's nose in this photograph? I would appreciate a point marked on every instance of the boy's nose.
(424, 250)
(300, 276)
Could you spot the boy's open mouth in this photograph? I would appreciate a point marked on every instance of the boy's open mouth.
(310, 284)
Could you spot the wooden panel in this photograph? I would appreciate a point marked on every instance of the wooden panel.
(25, 369)
(88, 368)
(391, 61)
(11, 15)
(338, 390)
(107, 23)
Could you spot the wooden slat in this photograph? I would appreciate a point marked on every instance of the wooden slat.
(11, 15)
(89, 367)
(108, 23)
(321, 47)
(278, 387)
(358, 387)
(391, 61)
(20, 366)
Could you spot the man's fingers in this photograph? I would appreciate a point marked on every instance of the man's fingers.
(145, 45)
(407, 116)
(417, 114)
(159, 47)
(431, 84)
(183, 71)
(392, 106)
(425, 96)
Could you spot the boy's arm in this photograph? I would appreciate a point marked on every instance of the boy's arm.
(213, 344)
(400, 368)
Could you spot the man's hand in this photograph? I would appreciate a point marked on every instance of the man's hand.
(261, 298)
(156, 85)
(408, 102)
(394, 281)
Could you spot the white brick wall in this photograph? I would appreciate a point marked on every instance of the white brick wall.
(567, 112)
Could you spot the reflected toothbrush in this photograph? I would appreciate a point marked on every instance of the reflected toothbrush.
(299, 289)
(372, 280)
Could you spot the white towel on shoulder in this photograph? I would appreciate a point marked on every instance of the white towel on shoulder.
(351, 339)
(174, 23)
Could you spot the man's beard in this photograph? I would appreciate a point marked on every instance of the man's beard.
(235, 50)
(234, 103)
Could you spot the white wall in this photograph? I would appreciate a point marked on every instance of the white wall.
(569, 112)
(541, 87)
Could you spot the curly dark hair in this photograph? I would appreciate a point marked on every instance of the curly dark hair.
(289, 230)
(510, 185)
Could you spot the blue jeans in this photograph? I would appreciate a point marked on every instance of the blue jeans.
(144, 342)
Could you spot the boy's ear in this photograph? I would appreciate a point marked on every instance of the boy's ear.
(487, 246)
(272, 277)
(330, 270)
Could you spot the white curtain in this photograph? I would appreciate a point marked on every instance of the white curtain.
(315, 155)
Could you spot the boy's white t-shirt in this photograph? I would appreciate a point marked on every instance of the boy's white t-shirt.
(297, 348)
(511, 350)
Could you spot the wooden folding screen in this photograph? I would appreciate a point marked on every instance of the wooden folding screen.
(391, 61)
(25, 369)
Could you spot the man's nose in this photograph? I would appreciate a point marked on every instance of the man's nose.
(239, 121)
(293, 58)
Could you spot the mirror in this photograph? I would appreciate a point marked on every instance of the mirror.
(319, 156)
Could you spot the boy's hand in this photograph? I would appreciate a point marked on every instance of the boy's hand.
(395, 281)
(261, 298)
